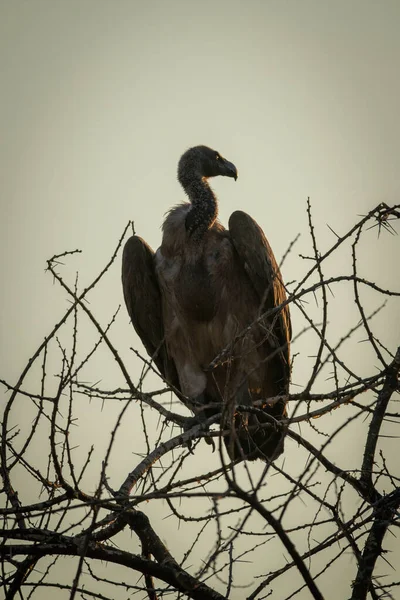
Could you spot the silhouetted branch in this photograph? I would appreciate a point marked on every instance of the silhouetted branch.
(101, 464)
(382, 519)
(390, 386)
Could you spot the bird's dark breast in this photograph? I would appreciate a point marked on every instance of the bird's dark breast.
(196, 292)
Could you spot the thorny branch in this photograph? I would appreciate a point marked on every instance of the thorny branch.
(87, 495)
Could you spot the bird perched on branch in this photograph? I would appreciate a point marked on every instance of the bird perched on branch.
(198, 305)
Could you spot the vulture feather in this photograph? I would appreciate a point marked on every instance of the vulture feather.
(198, 295)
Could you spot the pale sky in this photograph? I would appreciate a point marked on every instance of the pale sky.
(99, 99)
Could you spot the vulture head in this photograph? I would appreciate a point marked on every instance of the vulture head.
(205, 163)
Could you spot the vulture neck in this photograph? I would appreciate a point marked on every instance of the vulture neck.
(204, 209)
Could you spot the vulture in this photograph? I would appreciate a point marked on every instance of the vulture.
(198, 305)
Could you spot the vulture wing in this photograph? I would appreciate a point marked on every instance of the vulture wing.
(143, 301)
(258, 260)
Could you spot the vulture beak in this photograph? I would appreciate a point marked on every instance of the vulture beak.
(230, 169)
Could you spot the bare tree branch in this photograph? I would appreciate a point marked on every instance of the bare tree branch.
(127, 477)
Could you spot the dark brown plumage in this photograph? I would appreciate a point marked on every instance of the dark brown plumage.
(197, 295)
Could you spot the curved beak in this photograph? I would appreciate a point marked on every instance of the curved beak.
(230, 169)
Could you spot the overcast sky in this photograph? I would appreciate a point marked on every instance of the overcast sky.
(99, 99)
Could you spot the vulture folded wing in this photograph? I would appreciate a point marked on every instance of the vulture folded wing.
(258, 260)
(143, 301)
